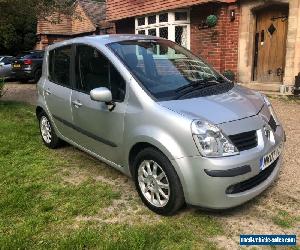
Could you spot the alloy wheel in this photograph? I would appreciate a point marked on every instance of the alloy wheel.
(45, 129)
(153, 183)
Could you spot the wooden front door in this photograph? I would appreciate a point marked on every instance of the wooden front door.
(270, 44)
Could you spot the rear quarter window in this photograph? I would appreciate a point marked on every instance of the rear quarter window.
(59, 65)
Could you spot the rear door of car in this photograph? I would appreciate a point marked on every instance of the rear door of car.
(58, 89)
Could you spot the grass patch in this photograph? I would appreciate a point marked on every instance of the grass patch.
(284, 219)
(39, 209)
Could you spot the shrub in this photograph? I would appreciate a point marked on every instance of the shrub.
(211, 20)
(2, 84)
(229, 74)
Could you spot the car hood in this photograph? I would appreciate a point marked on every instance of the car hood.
(236, 104)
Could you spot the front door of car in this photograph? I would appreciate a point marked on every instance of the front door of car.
(99, 129)
(57, 89)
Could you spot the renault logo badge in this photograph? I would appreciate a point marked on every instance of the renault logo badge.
(268, 132)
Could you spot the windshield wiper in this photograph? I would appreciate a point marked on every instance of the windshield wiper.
(197, 85)
(203, 83)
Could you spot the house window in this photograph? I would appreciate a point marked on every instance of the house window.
(163, 18)
(152, 32)
(141, 21)
(174, 26)
(152, 19)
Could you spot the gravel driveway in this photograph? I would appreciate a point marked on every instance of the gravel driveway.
(21, 92)
(276, 211)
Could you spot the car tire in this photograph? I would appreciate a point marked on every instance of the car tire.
(37, 75)
(24, 80)
(47, 131)
(158, 187)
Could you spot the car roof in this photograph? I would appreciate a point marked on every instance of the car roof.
(102, 39)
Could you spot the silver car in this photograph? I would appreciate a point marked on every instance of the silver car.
(5, 66)
(154, 111)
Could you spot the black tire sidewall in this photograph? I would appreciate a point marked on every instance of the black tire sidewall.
(176, 199)
(37, 75)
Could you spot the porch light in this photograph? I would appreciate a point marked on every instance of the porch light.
(232, 15)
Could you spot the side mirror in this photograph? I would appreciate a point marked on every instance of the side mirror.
(101, 94)
(2, 64)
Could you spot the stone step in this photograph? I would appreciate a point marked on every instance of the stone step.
(272, 93)
(264, 87)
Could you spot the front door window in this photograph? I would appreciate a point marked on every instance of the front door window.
(93, 70)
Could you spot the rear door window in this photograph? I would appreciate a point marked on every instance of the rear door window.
(59, 65)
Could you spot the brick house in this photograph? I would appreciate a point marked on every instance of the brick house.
(256, 39)
(88, 19)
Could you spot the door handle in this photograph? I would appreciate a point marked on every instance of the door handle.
(48, 92)
(77, 104)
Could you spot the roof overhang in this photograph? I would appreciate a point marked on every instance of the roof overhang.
(122, 9)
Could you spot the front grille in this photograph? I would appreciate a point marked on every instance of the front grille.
(244, 141)
(272, 123)
(252, 182)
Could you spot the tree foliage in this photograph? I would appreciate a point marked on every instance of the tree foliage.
(18, 21)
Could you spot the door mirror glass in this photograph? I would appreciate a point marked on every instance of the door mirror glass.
(101, 94)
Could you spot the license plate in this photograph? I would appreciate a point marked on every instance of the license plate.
(17, 65)
(268, 159)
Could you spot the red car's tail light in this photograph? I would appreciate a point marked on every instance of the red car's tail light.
(27, 62)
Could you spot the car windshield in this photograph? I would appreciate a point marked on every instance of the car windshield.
(164, 68)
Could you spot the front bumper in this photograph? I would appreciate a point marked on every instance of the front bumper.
(203, 190)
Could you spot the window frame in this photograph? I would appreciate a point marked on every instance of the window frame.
(170, 24)
(71, 85)
(75, 87)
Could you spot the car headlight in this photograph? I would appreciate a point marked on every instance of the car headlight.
(270, 107)
(210, 140)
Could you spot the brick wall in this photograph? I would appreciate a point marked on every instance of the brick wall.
(218, 45)
(46, 40)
